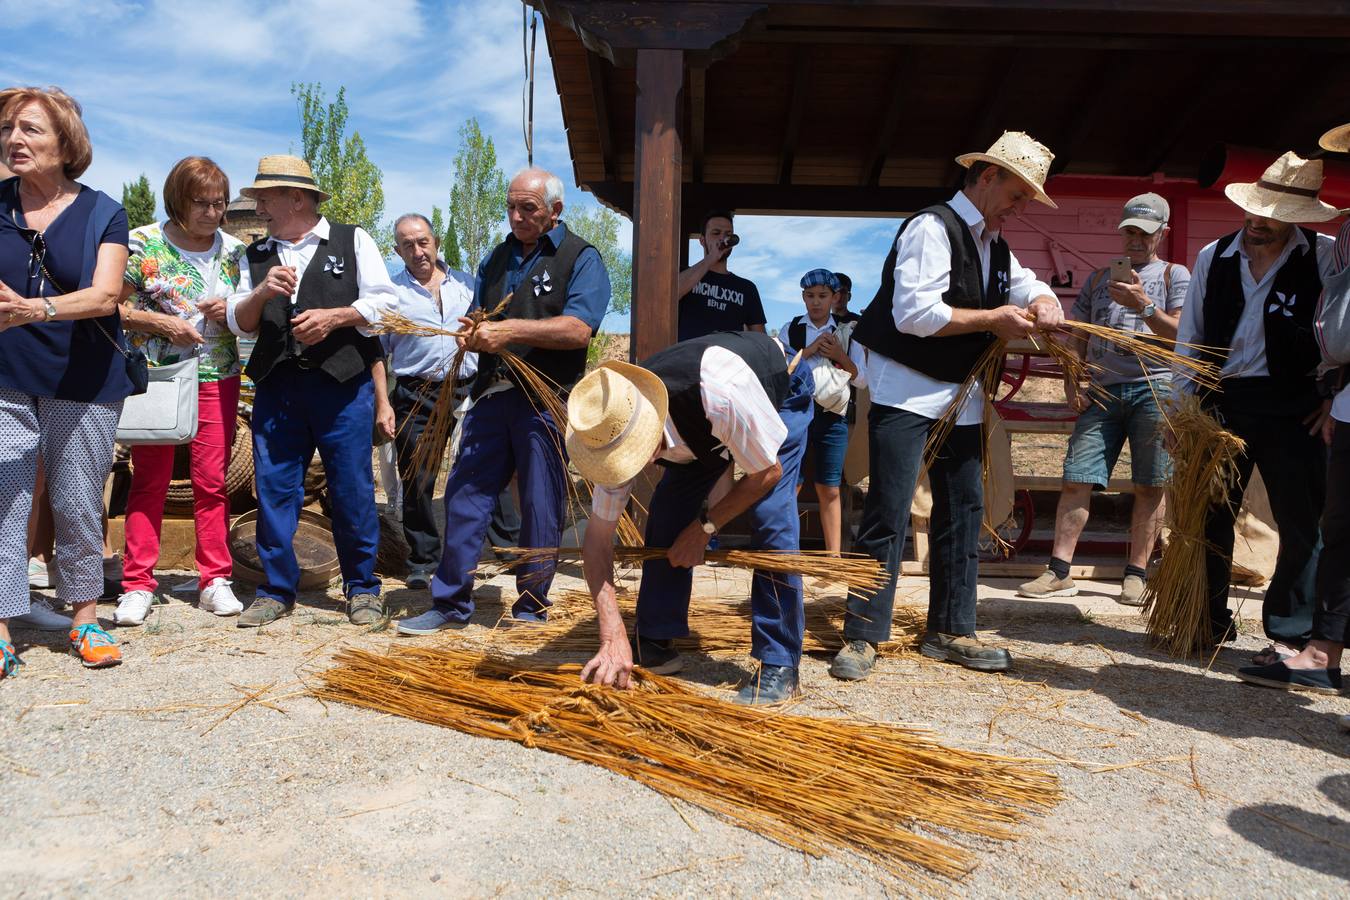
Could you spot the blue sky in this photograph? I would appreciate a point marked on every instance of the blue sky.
(161, 80)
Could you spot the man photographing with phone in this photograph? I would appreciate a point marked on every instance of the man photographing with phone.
(1137, 292)
(712, 298)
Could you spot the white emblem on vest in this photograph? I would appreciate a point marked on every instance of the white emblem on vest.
(1283, 305)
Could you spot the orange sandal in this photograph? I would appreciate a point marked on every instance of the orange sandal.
(94, 646)
(9, 660)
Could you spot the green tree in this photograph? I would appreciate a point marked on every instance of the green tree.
(340, 163)
(478, 198)
(139, 202)
(445, 232)
(600, 228)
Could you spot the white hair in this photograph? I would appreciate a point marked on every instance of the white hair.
(553, 186)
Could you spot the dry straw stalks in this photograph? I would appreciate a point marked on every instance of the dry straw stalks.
(888, 793)
(1204, 461)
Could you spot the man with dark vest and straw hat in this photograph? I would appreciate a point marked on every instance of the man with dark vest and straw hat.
(1250, 305)
(694, 408)
(950, 289)
(556, 292)
(309, 294)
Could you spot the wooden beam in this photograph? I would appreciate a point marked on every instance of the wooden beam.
(1052, 40)
(656, 200)
(596, 67)
(1203, 81)
(801, 76)
(890, 120)
(1086, 111)
(993, 100)
(698, 118)
(774, 199)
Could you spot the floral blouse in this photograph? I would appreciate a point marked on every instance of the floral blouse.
(166, 282)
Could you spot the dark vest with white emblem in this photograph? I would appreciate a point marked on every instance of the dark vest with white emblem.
(542, 294)
(944, 358)
(328, 282)
(679, 366)
(1287, 310)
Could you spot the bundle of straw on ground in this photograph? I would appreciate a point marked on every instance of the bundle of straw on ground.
(854, 570)
(715, 626)
(1204, 467)
(889, 793)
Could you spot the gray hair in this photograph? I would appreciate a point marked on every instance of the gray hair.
(553, 186)
(421, 218)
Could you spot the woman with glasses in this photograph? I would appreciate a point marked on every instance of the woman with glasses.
(177, 277)
(63, 360)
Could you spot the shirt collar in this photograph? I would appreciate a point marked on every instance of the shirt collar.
(408, 279)
(1297, 241)
(318, 232)
(554, 236)
(968, 213)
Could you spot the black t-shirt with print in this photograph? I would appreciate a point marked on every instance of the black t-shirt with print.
(719, 303)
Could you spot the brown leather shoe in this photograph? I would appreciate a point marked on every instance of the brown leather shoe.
(966, 650)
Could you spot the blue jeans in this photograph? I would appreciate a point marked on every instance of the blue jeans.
(296, 411)
(1130, 412)
(503, 435)
(777, 617)
(827, 444)
(896, 438)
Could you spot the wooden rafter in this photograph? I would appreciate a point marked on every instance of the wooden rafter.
(801, 75)
(993, 109)
(890, 120)
(698, 118)
(596, 66)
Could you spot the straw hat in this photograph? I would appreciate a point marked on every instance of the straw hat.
(1287, 192)
(1337, 140)
(283, 171)
(615, 418)
(1022, 155)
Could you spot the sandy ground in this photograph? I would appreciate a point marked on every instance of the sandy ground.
(139, 781)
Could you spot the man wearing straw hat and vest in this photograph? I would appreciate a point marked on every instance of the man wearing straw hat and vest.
(309, 293)
(556, 292)
(950, 290)
(1250, 305)
(694, 408)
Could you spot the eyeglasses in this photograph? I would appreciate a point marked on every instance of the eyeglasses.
(37, 257)
(211, 205)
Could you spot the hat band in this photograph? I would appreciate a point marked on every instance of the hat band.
(1285, 189)
(627, 428)
(297, 179)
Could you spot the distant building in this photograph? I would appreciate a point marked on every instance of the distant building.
(241, 220)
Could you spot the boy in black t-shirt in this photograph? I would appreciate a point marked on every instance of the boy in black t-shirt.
(711, 298)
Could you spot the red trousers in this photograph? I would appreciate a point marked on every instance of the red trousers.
(152, 469)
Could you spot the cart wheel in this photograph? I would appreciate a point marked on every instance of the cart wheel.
(1013, 378)
(1015, 530)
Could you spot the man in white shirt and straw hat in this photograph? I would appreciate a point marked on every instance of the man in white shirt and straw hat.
(950, 290)
(694, 408)
(1250, 303)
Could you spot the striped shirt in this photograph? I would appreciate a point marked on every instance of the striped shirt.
(742, 416)
(1341, 255)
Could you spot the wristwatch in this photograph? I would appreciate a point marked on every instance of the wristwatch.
(1149, 309)
(708, 527)
(48, 309)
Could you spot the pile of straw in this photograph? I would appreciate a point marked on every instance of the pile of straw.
(715, 626)
(1204, 461)
(816, 785)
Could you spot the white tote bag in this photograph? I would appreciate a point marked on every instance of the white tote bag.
(167, 412)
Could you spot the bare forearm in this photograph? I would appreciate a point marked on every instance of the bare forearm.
(1163, 324)
(692, 276)
(744, 494)
(598, 567)
(143, 320)
(967, 321)
(557, 333)
(248, 314)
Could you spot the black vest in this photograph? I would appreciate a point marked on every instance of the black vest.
(1291, 347)
(553, 269)
(944, 358)
(796, 333)
(678, 368)
(345, 353)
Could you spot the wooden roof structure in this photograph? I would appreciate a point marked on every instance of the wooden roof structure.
(860, 106)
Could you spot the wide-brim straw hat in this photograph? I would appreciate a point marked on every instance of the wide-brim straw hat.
(1021, 154)
(283, 171)
(1337, 140)
(615, 418)
(1287, 192)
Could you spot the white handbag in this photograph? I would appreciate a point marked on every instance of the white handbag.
(167, 412)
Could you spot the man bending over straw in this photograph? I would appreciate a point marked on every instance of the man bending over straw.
(694, 408)
(956, 290)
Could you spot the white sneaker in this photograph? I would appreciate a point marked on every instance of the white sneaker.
(219, 598)
(38, 577)
(133, 607)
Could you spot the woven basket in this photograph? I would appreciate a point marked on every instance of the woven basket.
(313, 546)
(238, 477)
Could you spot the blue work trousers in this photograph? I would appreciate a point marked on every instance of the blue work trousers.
(295, 412)
(502, 435)
(777, 617)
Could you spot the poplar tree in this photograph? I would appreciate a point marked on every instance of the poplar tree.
(478, 198)
(341, 165)
(139, 202)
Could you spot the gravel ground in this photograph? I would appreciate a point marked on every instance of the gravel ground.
(135, 782)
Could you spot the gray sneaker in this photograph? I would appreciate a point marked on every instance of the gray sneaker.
(1131, 591)
(1048, 585)
(855, 661)
(365, 609)
(262, 611)
(42, 617)
(965, 650)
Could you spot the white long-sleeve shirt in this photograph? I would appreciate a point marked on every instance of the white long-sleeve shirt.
(813, 331)
(375, 294)
(923, 266)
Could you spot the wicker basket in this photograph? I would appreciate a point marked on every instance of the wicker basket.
(238, 476)
(313, 545)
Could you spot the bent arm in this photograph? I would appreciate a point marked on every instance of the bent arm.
(102, 296)
(744, 494)
(556, 333)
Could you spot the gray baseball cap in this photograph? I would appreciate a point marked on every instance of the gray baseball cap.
(1147, 212)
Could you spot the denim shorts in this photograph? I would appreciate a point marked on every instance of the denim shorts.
(826, 446)
(1130, 412)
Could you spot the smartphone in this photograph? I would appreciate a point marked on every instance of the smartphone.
(1120, 269)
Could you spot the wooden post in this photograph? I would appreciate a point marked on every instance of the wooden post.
(656, 200)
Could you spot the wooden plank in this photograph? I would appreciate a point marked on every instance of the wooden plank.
(698, 117)
(600, 100)
(801, 74)
(656, 200)
(890, 120)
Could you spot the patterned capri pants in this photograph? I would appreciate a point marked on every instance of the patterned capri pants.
(76, 443)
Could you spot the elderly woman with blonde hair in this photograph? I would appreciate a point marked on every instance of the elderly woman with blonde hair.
(64, 370)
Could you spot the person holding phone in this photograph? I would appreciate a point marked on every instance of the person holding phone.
(1136, 292)
(713, 299)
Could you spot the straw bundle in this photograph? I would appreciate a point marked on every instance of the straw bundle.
(1204, 460)
(715, 626)
(816, 785)
(855, 570)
